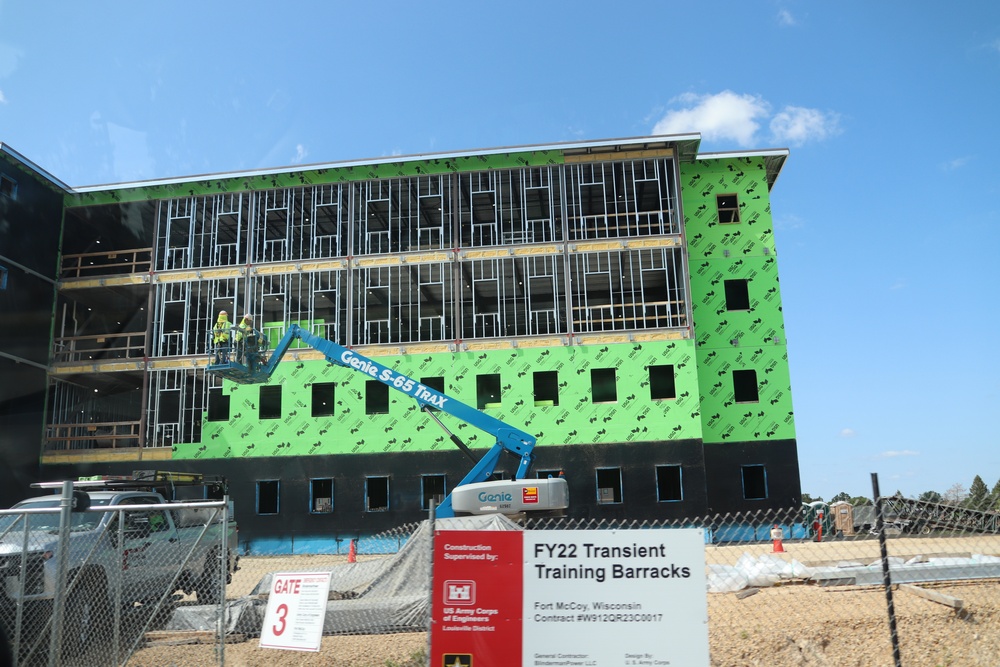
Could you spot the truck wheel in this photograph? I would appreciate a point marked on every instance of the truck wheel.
(87, 615)
(209, 589)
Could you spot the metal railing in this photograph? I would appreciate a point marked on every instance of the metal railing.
(102, 347)
(82, 265)
(92, 435)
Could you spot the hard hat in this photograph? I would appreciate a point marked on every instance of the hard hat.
(247, 317)
(221, 313)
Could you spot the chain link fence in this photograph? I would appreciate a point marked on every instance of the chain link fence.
(85, 585)
(915, 585)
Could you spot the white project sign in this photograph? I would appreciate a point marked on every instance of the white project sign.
(296, 609)
(610, 598)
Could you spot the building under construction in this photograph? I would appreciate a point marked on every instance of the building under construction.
(619, 299)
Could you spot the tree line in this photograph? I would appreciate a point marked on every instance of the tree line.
(978, 496)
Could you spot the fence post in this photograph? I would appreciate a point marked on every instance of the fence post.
(886, 577)
(431, 515)
(224, 574)
(62, 552)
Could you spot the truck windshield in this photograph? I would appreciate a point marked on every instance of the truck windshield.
(79, 521)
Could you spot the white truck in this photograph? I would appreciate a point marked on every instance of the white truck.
(143, 553)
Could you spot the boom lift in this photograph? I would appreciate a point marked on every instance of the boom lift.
(248, 363)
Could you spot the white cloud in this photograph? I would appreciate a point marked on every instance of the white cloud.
(797, 125)
(300, 154)
(3, 100)
(724, 116)
(785, 17)
(956, 163)
(892, 454)
(847, 433)
(728, 116)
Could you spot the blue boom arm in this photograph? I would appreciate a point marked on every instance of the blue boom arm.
(508, 439)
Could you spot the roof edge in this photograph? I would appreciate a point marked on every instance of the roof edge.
(32, 167)
(774, 160)
(694, 138)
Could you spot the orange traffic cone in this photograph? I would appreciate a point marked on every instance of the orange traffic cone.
(776, 536)
(352, 553)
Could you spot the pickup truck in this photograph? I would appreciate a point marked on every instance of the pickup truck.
(157, 551)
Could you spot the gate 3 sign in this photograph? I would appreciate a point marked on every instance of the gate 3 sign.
(604, 598)
(296, 609)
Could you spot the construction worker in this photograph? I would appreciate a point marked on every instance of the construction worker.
(244, 336)
(220, 338)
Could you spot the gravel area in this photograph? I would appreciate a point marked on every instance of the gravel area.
(800, 626)
(402, 650)
(846, 627)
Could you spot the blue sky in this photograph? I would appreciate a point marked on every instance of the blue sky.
(887, 212)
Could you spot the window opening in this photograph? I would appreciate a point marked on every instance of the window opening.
(175, 409)
(175, 239)
(3, 277)
(324, 308)
(546, 388)
(754, 482)
(729, 208)
(661, 382)
(602, 385)
(737, 295)
(224, 230)
(327, 221)
(432, 488)
(321, 495)
(545, 474)
(270, 402)
(436, 383)
(218, 405)
(376, 398)
(745, 388)
(268, 496)
(8, 186)
(323, 399)
(488, 391)
(168, 405)
(609, 486)
(376, 494)
(668, 484)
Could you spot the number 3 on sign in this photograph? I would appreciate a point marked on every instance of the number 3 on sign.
(282, 613)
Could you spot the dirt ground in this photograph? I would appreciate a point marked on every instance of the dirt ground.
(793, 624)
